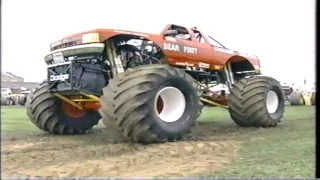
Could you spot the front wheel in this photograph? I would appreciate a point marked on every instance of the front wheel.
(55, 116)
(152, 104)
(257, 102)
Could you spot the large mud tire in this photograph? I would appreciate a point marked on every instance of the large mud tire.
(313, 98)
(5, 101)
(249, 105)
(8, 101)
(22, 100)
(13, 101)
(16, 101)
(296, 99)
(128, 102)
(45, 111)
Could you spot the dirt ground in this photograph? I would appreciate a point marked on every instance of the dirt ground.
(100, 154)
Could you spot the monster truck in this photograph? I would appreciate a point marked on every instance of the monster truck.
(149, 91)
(287, 90)
(303, 94)
(296, 98)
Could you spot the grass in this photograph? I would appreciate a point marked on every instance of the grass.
(287, 151)
(14, 121)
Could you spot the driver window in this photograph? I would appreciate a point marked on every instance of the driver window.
(182, 32)
(202, 40)
(214, 43)
(199, 37)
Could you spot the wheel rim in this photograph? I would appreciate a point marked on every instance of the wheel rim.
(272, 102)
(170, 104)
(72, 111)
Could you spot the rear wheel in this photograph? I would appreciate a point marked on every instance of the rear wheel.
(296, 99)
(55, 116)
(257, 101)
(151, 104)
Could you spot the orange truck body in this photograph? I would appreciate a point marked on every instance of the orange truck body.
(212, 57)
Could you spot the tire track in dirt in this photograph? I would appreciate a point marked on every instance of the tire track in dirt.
(98, 155)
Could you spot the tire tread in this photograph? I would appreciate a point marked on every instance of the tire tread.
(128, 95)
(41, 110)
(247, 102)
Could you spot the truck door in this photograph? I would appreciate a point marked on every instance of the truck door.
(196, 50)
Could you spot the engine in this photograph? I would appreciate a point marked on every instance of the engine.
(86, 67)
(135, 53)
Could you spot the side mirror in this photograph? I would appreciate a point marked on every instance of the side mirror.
(171, 32)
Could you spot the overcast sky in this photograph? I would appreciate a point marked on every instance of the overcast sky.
(280, 32)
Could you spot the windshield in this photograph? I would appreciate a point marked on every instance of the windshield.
(215, 43)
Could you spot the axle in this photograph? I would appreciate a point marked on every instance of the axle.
(89, 101)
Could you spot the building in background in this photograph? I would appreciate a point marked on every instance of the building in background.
(18, 87)
(16, 83)
(10, 77)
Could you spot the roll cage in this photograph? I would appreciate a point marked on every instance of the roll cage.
(192, 34)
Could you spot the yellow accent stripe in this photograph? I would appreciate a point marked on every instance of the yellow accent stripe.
(96, 98)
(83, 100)
(68, 100)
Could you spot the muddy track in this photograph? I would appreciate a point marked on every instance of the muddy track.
(100, 154)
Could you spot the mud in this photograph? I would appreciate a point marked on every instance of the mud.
(100, 154)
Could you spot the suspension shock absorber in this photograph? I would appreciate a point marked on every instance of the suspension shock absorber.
(115, 61)
(229, 74)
